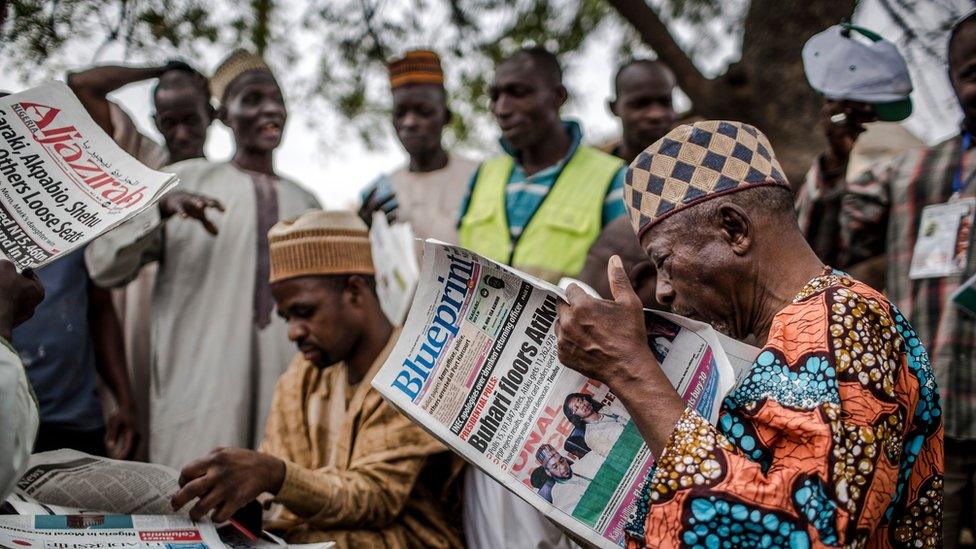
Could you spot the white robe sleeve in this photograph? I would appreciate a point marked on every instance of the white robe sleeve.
(18, 419)
(114, 259)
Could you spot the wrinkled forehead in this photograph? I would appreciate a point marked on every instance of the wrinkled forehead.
(262, 79)
(670, 232)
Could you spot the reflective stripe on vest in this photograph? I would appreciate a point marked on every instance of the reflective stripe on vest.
(555, 242)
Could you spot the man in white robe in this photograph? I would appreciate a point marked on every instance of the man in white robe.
(217, 349)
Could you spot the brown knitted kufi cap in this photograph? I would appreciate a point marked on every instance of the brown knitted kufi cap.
(416, 67)
(237, 63)
(320, 242)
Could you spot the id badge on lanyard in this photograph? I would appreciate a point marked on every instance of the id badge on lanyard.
(944, 232)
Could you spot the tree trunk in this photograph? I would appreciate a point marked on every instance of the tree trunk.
(767, 86)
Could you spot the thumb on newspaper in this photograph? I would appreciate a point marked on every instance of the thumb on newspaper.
(620, 286)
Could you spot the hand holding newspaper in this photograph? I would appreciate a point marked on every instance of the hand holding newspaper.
(70, 499)
(64, 180)
(476, 365)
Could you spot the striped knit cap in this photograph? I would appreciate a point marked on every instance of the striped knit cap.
(416, 67)
(694, 163)
(320, 243)
(237, 63)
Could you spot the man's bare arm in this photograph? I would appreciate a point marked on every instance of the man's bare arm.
(93, 85)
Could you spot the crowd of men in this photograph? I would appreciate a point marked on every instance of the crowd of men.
(855, 426)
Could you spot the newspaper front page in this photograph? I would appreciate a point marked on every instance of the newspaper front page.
(63, 181)
(476, 365)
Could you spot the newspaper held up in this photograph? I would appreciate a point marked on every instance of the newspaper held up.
(64, 181)
(476, 365)
(395, 261)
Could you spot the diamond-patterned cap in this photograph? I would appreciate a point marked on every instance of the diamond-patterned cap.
(694, 163)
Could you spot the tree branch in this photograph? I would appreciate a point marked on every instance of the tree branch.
(655, 34)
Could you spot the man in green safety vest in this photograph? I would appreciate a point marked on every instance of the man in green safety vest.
(541, 205)
(539, 208)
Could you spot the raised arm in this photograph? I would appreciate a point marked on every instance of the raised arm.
(93, 85)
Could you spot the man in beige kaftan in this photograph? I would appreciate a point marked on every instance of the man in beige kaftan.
(216, 347)
(341, 463)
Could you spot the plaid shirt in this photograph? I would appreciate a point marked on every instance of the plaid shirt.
(879, 213)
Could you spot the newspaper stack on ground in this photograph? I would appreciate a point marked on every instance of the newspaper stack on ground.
(476, 365)
(69, 499)
(64, 181)
(395, 261)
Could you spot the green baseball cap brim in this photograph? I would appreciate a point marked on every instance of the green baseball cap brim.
(894, 111)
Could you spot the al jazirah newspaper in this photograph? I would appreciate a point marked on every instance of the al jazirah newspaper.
(64, 181)
(476, 365)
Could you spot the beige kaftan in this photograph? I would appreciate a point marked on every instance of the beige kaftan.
(132, 301)
(357, 471)
(213, 371)
(430, 201)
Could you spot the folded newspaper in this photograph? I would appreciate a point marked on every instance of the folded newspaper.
(395, 259)
(64, 180)
(476, 365)
(69, 499)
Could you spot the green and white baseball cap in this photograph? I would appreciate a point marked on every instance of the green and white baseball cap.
(842, 66)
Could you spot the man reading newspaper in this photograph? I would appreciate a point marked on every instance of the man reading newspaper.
(833, 437)
(342, 464)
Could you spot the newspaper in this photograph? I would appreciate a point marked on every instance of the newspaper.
(476, 365)
(115, 531)
(121, 497)
(395, 260)
(80, 482)
(64, 181)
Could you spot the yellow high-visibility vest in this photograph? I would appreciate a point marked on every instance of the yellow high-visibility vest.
(555, 241)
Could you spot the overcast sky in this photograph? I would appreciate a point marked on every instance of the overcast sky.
(337, 174)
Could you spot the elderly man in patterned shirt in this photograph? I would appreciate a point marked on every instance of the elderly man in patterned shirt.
(833, 438)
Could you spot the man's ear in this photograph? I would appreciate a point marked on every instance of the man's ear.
(562, 95)
(357, 289)
(736, 228)
(612, 107)
(448, 116)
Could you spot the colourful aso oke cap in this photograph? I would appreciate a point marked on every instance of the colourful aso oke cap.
(694, 163)
(416, 67)
(236, 64)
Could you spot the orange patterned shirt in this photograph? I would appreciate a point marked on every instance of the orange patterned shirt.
(833, 438)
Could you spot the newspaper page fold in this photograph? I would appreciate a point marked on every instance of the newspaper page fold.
(476, 365)
(85, 483)
(63, 181)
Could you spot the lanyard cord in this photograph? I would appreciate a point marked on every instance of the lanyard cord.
(957, 184)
